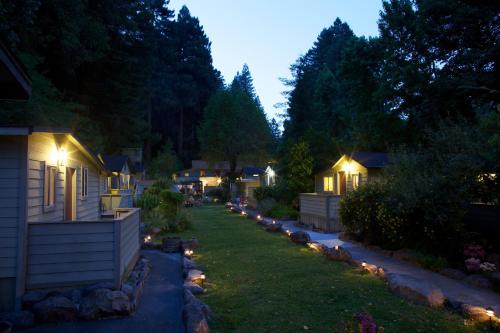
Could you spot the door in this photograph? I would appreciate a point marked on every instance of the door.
(342, 182)
(70, 195)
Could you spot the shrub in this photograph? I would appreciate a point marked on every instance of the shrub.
(148, 201)
(170, 203)
(220, 193)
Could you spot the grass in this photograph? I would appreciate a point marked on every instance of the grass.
(261, 282)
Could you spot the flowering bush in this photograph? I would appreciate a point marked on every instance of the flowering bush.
(474, 251)
(472, 264)
(488, 267)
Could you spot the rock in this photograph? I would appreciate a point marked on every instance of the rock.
(318, 247)
(189, 244)
(372, 269)
(189, 298)
(300, 237)
(273, 227)
(103, 303)
(74, 295)
(188, 263)
(100, 285)
(475, 312)
(194, 275)
(128, 289)
(195, 321)
(415, 290)
(32, 297)
(171, 244)
(20, 320)
(55, 309)
(479, 281)
(453, 273)
(194, 288)
(339, 254)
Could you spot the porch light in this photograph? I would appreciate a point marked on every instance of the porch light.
(59, 156)
(219, 180)
(348, 167)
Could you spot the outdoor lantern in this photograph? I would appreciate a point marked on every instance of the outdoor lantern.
(202, 278)
(59, 156)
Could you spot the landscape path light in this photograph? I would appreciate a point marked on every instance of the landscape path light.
(202, 278)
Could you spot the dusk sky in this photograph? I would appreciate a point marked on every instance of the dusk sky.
(269, 35)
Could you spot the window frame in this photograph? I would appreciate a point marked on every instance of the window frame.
(49, 187)
(327, 183)
(355, 185)
(84, 183)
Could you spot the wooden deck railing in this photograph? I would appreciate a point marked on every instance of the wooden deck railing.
(64, 254)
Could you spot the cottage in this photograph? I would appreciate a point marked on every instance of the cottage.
(320, 209)
(246, 183)
(51, 231)
(202, 176)
(119, 189)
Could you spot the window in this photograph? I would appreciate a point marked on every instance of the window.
(50, 186)
(186, 174)
(355, 181)
(328, 184)
(85, 182)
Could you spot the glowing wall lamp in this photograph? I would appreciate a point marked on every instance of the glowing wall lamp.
(348, 167)
(59, 156)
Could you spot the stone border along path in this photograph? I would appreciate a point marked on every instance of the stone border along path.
(160, 308)
(471, 300)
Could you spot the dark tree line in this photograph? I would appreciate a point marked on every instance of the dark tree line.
(118, 72)
(433, 61)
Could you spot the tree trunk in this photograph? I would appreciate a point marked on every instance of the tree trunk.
(181, 133)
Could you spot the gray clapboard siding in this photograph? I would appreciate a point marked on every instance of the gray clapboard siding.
(11, 151)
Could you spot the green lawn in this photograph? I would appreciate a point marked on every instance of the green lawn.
(261, 282)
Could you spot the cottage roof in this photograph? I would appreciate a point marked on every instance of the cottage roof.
(15, 84)
(115, 163)
(252, 170)
(370, 159)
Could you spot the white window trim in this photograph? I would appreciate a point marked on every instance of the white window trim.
(46, 187)
(84, 183)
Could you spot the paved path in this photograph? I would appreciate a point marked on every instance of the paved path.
(452, 289)
(159, 310)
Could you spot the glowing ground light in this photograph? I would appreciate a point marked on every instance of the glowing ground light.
(259, 217)
(288, 232)
(274, 222)
(336, 247)
(363, 264)
(188, 252)
(147, 239)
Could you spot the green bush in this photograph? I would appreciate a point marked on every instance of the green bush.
(281, 211)
(170, 203)
(148, 201)
(219, 193)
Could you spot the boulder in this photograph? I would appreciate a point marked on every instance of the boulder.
(189, 244)
(194, 275)
(100, 285)
(194, 320)
(103, 303)
(318, 247)
(171, 244)
(189, 298)
(475, 312)
(479, 281)
(20, 320)
(194, 288)
(55, 309)
(300, 237)
(453, 273)
(74, 295)
(32, 297)
(339, 254)
(188, 263)
(415, 290)
(128, 289)
(273, 227)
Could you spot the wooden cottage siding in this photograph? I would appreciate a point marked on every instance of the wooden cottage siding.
(69, 254)
(40, 149)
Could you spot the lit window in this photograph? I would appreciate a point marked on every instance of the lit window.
(328, 184)
(186, 174)
(202, 173)
(355, 181)
(50, 186)
(85, 182)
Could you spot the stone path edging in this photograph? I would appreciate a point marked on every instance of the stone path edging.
(460, 295)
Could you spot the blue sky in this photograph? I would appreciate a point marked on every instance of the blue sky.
(269, 35)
